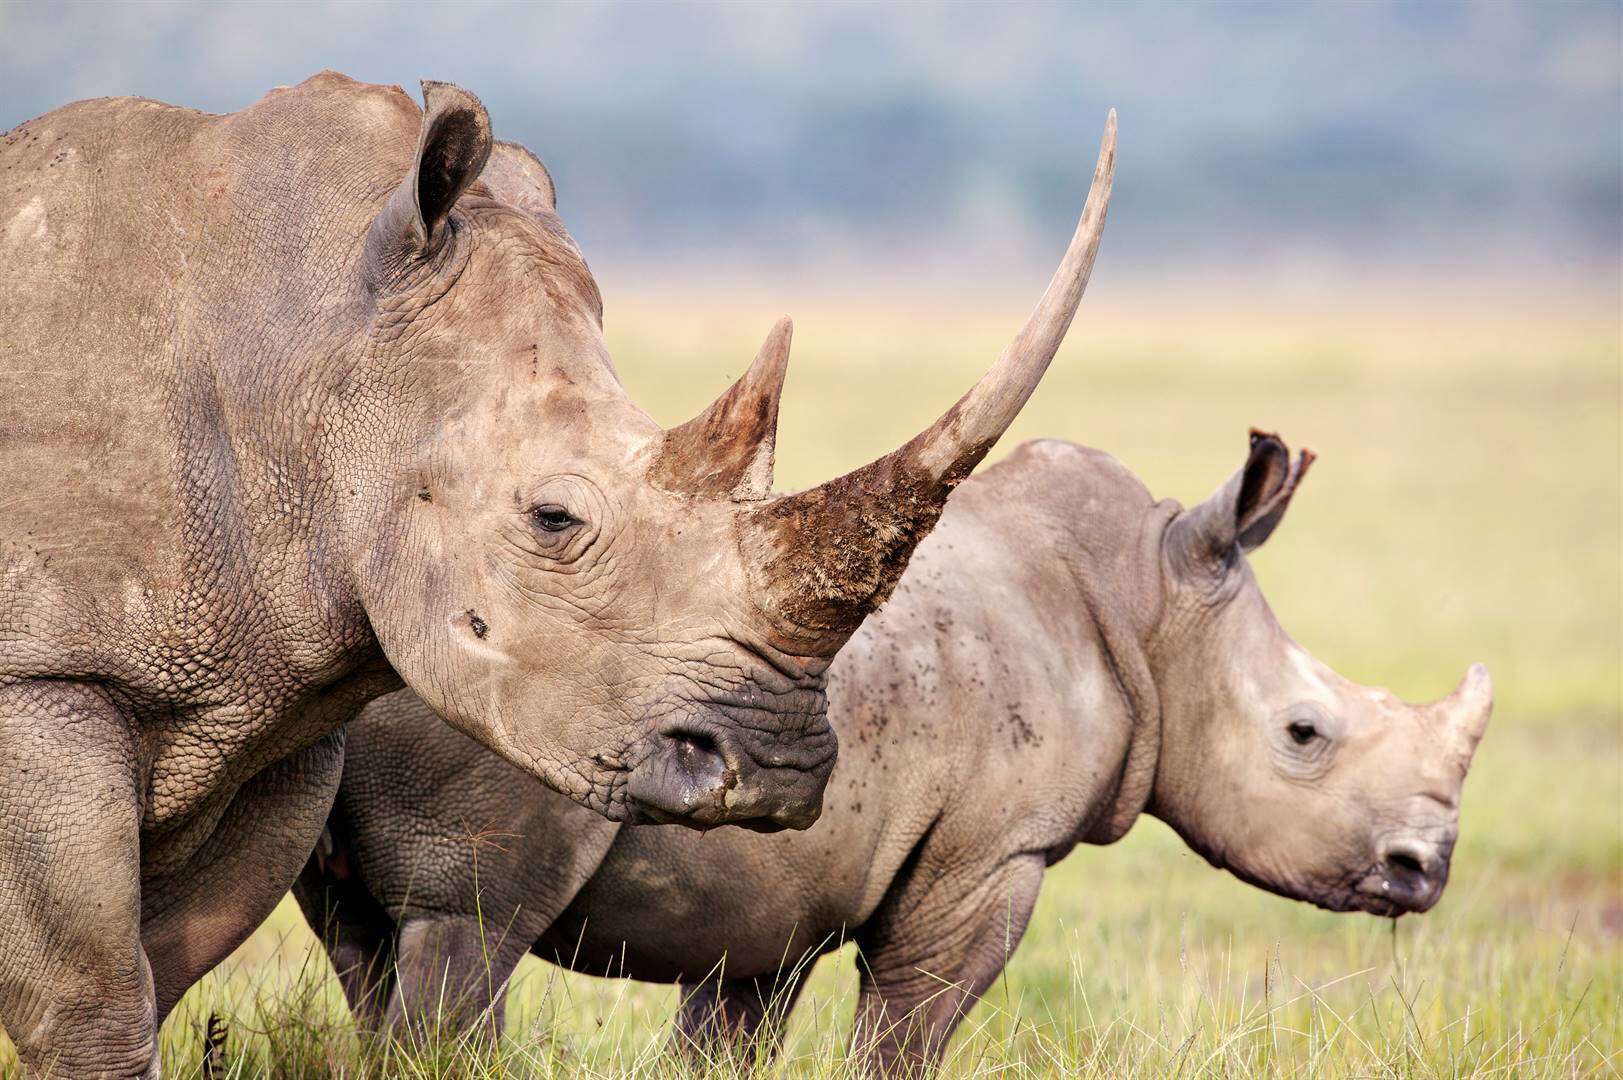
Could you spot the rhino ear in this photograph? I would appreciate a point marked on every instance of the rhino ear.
(517, 177)
(1264, 500)
(1244, 511)
(452, 148)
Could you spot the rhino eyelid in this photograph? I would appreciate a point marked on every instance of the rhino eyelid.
(553, 519)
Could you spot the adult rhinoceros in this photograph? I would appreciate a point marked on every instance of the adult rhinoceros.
(311, 399)
(1063, 654)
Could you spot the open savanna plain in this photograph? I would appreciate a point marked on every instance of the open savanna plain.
(1465, 506)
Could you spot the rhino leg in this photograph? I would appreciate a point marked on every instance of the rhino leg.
(452, 970)
(75, 988)
(354, 928)
(194, 916)
(494, 861)
(937, 942)
(743, 1016)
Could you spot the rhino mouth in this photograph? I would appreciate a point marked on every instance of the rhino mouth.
(718, 769)
(1399, 887)
(1388, 889)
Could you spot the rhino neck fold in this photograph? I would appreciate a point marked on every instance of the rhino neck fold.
(1124, 617)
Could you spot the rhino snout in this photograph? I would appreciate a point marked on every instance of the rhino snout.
(701, 777)
(1408, 876)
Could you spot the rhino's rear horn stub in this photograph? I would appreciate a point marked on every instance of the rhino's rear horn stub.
(832, 554)
(727, 450)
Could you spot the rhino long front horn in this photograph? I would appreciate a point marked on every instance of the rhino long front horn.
(727, 449)
(833, 554)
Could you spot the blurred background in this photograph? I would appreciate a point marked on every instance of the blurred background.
(1304, 149)
(1391, 232)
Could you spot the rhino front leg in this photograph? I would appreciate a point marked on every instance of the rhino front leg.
(75, 989)
(935, 945)
(745, 1016)
(453, 969)
(356, 931)
(193, 917)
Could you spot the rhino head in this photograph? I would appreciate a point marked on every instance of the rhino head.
(626, 611)
(1271, 764)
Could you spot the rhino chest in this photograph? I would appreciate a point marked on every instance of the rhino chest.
(200, 758)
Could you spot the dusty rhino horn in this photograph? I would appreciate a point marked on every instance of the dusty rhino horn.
(832, 554)
(727, 449)
(1464, 713)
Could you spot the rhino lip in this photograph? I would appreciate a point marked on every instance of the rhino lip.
(1373, 890)
(1391, 892)
(701, 775)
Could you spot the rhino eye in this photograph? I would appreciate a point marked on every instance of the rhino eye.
(553, 519)
(1302, 732)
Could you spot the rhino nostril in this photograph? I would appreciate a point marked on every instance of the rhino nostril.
(692, 743)
(1406, 862)
(1409, 876)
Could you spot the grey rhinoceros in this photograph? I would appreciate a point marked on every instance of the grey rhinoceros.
(1063, 654)
(311, 401)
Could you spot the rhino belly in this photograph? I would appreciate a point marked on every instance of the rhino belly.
(679, 907)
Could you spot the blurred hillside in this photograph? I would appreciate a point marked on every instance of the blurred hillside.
(1300, 149)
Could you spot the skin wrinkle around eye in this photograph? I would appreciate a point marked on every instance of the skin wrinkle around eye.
(702, 668)
(1307, 763)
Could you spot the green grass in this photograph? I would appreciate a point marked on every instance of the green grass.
(1466, 506)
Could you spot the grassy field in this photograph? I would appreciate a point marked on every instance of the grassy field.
(1465, 506)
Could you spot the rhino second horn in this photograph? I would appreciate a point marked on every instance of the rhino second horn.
(727, 450)
(833, 554)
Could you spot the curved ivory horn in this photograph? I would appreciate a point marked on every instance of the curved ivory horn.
(727, 449)
(971, 426)
(833, 553)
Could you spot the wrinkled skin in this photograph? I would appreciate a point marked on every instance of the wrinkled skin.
(1063, 654)
(311, 400)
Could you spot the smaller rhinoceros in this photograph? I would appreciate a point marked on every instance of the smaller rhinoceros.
(1064, 654)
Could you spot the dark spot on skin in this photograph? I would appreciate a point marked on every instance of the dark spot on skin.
(1021, 729)
(479, 627)
(423, 494)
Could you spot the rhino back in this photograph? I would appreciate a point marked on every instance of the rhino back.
(88, 268)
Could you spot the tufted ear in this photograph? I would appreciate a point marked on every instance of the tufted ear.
(517, 177)
(452, 147)
(1245, 510)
